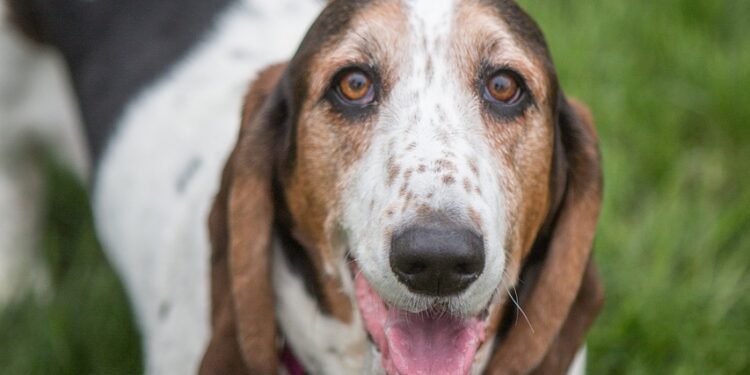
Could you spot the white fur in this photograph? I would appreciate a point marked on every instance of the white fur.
(159, 175)
(323, 344)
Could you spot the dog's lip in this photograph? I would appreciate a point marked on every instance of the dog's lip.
(427, 342)
(354, 269)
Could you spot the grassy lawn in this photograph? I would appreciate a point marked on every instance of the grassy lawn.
(669, 84)
(83, 325)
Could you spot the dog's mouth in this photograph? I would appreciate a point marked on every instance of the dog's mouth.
(428, 342)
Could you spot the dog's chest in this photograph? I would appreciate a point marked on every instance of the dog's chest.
(157, 178)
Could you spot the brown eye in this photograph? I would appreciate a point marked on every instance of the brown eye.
(503, 87)
(356, 86)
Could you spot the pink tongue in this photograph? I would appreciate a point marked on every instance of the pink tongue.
(422, 344)
(419, 343)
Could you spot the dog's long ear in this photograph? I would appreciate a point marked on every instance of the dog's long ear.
(582, 314)
(240, 225)
(558, 293)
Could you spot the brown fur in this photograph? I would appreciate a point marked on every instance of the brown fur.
(564, 276)
(586, 307)
(240, 225)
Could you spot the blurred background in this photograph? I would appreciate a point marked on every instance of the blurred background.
(668, 82)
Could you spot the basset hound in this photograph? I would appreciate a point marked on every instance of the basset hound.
(410, 193)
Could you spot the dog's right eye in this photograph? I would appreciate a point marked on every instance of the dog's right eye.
(354, 87)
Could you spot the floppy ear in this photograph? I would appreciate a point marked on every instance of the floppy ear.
(582, 314)
(566, 295)
(240, 225)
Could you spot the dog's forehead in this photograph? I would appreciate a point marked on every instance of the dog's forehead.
(389, 32)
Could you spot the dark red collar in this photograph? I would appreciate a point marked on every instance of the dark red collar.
(290, 362)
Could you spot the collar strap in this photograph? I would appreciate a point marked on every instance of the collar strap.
(290, 362)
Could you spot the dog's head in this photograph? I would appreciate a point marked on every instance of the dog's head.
(421, 158)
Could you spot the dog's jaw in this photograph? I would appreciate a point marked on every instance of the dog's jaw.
(430, 342)
(326, 345)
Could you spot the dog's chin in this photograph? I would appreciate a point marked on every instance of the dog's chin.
(427, 342)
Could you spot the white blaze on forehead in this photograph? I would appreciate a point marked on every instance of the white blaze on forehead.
(434, 15)
(430, 24)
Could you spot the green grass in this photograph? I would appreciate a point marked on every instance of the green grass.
(83, 324)
(669, 84)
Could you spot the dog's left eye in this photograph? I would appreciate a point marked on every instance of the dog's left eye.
(354, 87)
(503, 87)
(504, 93)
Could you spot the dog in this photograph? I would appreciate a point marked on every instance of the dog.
(410, 193)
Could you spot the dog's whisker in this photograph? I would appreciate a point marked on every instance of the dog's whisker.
(520, 309)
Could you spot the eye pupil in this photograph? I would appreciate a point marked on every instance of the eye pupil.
(500, 84)
(356, 83)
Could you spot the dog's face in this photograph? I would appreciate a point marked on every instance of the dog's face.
(421, 148)
(423, 152)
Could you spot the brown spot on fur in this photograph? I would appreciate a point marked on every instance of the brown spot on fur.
(389, 212)
(473, 167)
(467, 185)
(393, 170)
(445, 165)
(423, 210)
(403, 190)
(407, 174)
(475, 217)
(429, 70)
(448, 179)
(411, 146)
(388, 234)
(409, 198)
(443, 136)
(422, 168)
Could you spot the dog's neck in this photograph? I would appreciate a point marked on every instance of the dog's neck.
(321, 343)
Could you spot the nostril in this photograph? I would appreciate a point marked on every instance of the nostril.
(464, 269)
(414, 268)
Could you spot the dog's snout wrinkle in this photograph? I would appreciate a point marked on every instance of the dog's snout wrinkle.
(437, 260)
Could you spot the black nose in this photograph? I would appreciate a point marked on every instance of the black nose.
(437, 260)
